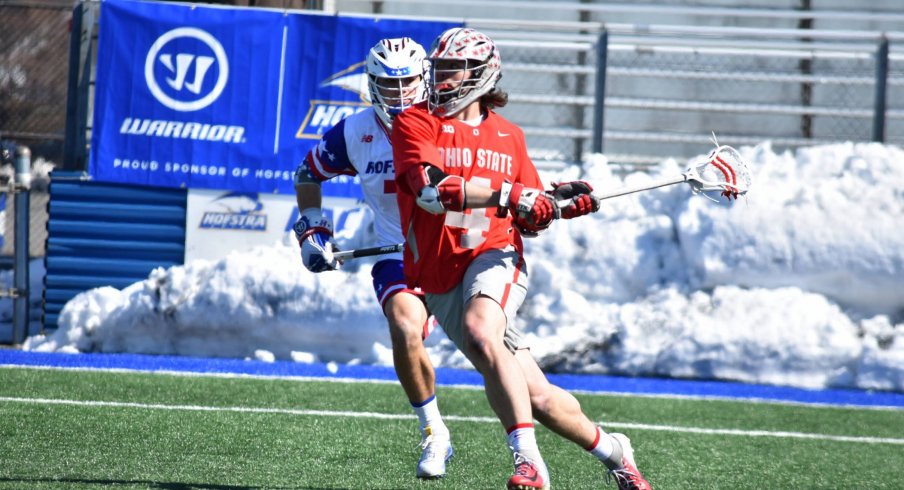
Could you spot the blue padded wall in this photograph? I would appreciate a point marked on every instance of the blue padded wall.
(101, 234)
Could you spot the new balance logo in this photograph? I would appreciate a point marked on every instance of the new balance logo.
(367, 138)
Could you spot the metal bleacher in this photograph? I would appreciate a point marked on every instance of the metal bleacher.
(675, 73)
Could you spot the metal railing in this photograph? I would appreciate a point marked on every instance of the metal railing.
(667, 86)
(473, 8)
(19, 188)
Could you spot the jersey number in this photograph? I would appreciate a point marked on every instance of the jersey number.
(474, 222)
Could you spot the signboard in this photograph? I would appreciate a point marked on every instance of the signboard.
(207, 97)
(219, 222)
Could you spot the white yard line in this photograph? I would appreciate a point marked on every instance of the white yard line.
(458, 418)
(283, 377)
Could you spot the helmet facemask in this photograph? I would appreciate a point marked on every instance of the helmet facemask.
(396, 76)
(449, 98)
(461, 50)
(390, 96)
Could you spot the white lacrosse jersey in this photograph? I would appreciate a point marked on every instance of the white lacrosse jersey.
(359, 145)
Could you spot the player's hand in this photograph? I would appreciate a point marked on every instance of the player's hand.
(315, 237)
(532, 207)
(579, 194)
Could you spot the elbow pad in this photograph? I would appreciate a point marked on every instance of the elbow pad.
(436, 191)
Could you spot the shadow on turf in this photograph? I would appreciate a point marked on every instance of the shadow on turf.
(154, 484)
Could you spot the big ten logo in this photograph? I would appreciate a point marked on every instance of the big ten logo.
(323, 115)
(186, 69)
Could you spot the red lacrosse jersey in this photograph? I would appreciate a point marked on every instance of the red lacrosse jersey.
(440, 247)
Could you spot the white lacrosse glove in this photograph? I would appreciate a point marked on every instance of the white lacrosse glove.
(315, 237)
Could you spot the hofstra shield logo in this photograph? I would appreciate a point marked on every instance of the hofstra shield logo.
(235, 211)
(324, 114)
(186, 70)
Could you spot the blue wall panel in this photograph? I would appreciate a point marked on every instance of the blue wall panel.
(103, 234)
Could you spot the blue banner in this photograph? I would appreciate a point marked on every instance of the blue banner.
(226, 98)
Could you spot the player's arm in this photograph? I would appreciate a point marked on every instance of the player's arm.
(577, 193)
(419, 174)
(313, 229)
(437, 192)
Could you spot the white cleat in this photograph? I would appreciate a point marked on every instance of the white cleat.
(436, 451)
(628, 477)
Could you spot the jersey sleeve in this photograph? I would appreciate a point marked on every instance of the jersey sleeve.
(413, 143)
(330, 157)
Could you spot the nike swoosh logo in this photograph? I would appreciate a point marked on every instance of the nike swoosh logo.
(501, 134)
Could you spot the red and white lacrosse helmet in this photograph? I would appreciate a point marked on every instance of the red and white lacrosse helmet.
(396, 73)
(481, 57)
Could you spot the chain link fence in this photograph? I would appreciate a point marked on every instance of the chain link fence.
(675, 73)
(894, 124)
(668, 99)
(34, 63)
(38, 198)
(551, 95)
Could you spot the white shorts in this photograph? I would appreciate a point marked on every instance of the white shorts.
(498, 274)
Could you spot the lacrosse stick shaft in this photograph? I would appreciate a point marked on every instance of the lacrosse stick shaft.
(677, 179)
(368, 252)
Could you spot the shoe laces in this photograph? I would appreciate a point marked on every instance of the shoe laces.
(427, 446)
(524, 466)
(430, 446)
(626, 478)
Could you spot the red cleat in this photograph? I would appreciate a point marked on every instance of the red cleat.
(528, 475)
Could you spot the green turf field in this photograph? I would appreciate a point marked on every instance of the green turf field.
(88, 429)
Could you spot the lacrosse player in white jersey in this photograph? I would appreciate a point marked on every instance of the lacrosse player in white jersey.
(359, 145)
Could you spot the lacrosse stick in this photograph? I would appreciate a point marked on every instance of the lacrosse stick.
(368, 252)
(723, 170)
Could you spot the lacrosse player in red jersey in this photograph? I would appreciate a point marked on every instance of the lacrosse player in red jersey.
(467, 193)
(359, 145)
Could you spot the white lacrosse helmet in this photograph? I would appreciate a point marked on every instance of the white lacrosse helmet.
(481, 58)
(396, 72)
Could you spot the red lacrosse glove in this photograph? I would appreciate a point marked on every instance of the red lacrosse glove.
(579, 193)
(532, 207)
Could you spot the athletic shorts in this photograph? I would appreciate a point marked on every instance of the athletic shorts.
(498, 274)
(389, 279)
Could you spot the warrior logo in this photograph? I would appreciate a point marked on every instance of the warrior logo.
(180, 68)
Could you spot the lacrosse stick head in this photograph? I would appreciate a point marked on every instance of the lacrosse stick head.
(723, 170)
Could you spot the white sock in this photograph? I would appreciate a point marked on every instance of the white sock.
(522, 439)
(428, 416)
(604, 448)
